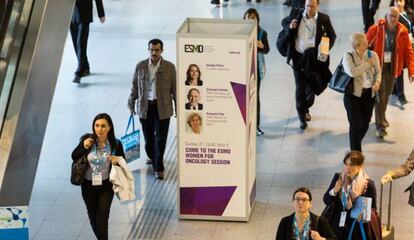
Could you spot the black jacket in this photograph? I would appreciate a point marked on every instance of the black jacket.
(80, 150)
(319, 224)
(342, 233)
(82, 13)
(323, 26)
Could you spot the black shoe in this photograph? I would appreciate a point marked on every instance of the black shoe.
(215, 2)
(308, 117)
(288, 3)
(402, 100)
(303, 125)
(76, 79)
(381, 133)
(258, 0)
(159, 175)
(259, 131)
(85, 73)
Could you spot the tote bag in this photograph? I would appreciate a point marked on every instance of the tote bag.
(131, 142)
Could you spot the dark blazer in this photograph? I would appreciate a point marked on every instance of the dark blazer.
(80, 150)
(82, 13)
(323, 26)
(199, 106)
(284, 231)
(410, 18)
(342, 233)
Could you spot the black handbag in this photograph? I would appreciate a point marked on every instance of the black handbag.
(341, 81)
(79, 168)
(332, 213)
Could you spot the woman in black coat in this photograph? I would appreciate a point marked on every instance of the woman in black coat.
(101, 148)
(352, 183)
(303, 224)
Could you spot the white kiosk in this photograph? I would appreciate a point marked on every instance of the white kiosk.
(216, 105)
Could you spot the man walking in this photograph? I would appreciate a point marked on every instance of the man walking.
(389, 39)
(153, 90)
(79, 31)
(369, 8)
(306, 29)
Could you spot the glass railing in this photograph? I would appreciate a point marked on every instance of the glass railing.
(15, 16)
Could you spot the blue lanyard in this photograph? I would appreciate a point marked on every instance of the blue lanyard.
(305, 233)
(101, 156)
(312, 31)
(345, 194)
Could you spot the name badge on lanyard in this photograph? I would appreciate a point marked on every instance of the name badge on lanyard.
(387, 57)
(343, 219)
(96, 178)
(311, 33)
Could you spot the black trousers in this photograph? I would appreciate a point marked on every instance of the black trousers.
(304, 95)
(367, 14)
(359, 111)
(155, 134)
(80, 33)
(98, 200)
(398, 89)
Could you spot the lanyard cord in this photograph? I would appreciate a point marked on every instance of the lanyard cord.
(305, 232)
(312, 31)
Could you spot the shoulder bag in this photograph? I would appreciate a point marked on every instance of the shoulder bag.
(79, 168)
(341, 81)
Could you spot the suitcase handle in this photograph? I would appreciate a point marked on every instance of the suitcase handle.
(389, 206)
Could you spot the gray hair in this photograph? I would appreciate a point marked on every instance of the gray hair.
(357, 38)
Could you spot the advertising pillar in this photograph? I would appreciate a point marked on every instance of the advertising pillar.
(216, 84)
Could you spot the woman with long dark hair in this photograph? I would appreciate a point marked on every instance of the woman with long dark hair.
(262, 48)
(193, 76)
(101, 148)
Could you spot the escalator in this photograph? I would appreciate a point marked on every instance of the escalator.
(32, 38)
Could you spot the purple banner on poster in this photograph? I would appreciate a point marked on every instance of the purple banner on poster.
(240, 93)
(205, 200)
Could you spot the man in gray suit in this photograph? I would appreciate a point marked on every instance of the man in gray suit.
(153, 91)
(79, 30)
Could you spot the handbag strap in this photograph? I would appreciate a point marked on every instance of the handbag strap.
(131, 120)
(361, 226)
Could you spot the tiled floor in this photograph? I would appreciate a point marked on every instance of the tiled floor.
(287, 157)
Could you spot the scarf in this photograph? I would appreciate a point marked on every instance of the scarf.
(355, 187)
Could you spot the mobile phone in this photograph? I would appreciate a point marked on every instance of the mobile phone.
(94, 137)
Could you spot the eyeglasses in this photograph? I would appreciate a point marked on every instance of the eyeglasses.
(301, 200)
(393, 16)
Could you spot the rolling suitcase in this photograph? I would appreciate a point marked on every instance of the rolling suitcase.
(386, 229)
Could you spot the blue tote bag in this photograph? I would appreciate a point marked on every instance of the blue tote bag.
(130, 141)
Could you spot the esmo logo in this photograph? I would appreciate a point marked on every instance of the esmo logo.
(191, 48)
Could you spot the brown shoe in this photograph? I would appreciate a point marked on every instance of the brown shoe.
(149, 161)
(159, 175)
